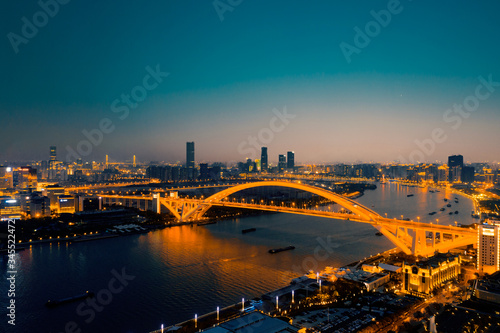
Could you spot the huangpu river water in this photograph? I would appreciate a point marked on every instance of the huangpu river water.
(170, 275)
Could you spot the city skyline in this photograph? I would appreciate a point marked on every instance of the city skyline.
(216, 78)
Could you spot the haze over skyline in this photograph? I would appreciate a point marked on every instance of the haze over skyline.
(231, 73)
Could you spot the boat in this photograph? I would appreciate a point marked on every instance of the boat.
(445, 199)
(379, 233)
(281, 249)
(432, 213)
(450, 213)
(431, 191)
(410, 195)
(244, 231)
(456, 212)
(51, 303)
(448, 205)
(442, 209)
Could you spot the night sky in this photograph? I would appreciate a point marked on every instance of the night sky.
(221, 75)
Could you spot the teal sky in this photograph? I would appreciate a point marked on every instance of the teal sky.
(226, 76)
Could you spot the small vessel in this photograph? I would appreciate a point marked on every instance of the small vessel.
(442, 209)
(456, 212)
(445, 199)
(448, 205)
(55, 303)
(410, 195)
(432, 213)
(431, 191)
(379, 233)
(450, 213)
(281, 249)
(244, 231)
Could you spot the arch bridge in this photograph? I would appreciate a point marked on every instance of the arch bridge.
(417, 238)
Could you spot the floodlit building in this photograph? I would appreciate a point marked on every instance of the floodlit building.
(423, 277)
(488, 258)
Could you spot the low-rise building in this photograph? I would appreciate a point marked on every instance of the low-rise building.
(255, 322)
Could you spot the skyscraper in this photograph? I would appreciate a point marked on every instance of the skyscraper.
(488, 258)
(455, 165)
(190, 159)
(263, 159)
(281, 163)
(53, 153)
(290, 160)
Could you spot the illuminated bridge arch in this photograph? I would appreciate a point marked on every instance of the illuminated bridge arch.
(411, 237)
(353, 206)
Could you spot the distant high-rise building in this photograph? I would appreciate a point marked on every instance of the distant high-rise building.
(468, 173)
(290, 160)
(25, 178)
(204, 172)
(190, 159)
(455, 165)
(133, 162)
(488, 258)
(263, 159)
(281, 163)
(53, 153)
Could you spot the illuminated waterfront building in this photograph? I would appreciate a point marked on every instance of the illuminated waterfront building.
(10, 209)
(424, 276)
(488, 259)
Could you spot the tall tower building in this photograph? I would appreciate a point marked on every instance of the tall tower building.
(455, 165)
(281, 163)
(53, 153)
(190, 159)
(488, 259)
(263, 159)
(290, 160)
(133, 163)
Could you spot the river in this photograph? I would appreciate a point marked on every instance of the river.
(170, 275)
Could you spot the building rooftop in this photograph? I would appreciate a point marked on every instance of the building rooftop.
(436, 260)
(254, 322)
